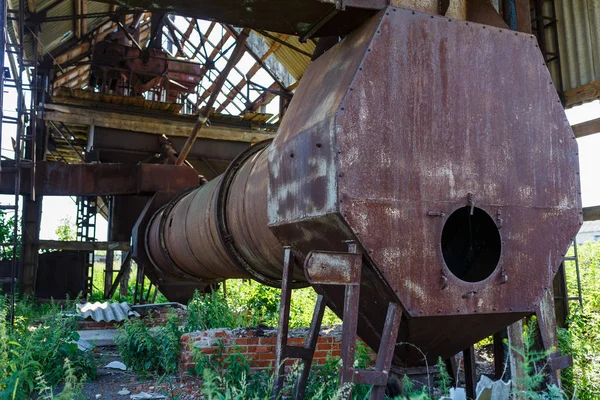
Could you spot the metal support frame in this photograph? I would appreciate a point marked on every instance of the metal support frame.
(283, 350)
(25, 151)
(470, 371)
(123, 270)
(334, 268)
(203, 116)
(86, 232)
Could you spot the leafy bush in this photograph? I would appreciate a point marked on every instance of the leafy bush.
(7, 224)
(206, 311)
(259, 304)
(39, 351)
(149, 350)
(582, 338)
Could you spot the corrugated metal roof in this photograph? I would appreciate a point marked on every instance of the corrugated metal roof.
(579, 41)
(295, 62)
(106, 311)
(53, 34)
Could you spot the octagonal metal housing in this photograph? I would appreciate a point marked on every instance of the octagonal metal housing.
(407, 120)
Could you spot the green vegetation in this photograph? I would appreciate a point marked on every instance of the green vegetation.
(66, 230)
(40, 352)
(156, 350)
(151, 350)
(248, 303)
(228, 376)
(7, 224)
(582, 339)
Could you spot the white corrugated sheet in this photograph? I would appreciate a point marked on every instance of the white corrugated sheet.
(106, 311)
(579, 41)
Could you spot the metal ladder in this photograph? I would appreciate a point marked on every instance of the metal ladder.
(87, 208)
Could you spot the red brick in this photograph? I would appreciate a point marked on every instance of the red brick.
(289, 362)
(324, 346)
(268, 340)
(321, 354)
(251, 349)
(335, 353)
(222, 334)
(263, 349)
(208, 350)
(266, 356)
(295, 341)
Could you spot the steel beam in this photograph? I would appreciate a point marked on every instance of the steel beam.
(237, 53)
(57, 179)
(586, 128)
(591, 213)
(82, 246)
(159, 125)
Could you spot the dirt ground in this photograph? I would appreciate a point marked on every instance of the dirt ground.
(110, 381)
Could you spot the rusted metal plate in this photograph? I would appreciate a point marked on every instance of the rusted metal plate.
(444, 137)
(411, 142)
(332, 268)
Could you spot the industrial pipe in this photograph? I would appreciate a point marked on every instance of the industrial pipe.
(220, 230)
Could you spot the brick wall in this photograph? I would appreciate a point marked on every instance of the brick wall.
(257, 345)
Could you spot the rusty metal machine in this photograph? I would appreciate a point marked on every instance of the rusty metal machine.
(425, 179)
(117, 67)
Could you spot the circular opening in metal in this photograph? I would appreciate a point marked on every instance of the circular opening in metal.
(471, 244)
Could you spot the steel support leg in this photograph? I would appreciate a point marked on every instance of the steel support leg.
(283, 351)
(499, 353)
(349, 337)
(470, 371)
(386, 348)
(284, 322)
(310, 344)
(546, 319)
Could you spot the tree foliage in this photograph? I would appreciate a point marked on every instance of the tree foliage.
(7, 224)
(65, 231)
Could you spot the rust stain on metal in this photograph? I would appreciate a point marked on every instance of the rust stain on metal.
(332, 268)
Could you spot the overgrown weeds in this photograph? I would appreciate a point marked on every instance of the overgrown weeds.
(150, 350)
(39, 353)
(227, 374)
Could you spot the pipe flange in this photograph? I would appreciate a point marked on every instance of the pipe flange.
(221, 218)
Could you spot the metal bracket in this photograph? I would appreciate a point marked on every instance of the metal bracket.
(332, 268)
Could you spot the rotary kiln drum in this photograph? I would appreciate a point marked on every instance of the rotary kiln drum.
(440, 146)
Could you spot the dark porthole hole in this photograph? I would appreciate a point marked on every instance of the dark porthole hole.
(471, 244)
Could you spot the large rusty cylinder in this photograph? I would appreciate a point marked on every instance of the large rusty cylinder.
(219, 231)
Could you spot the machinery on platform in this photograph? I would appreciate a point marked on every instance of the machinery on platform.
(423, 207)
